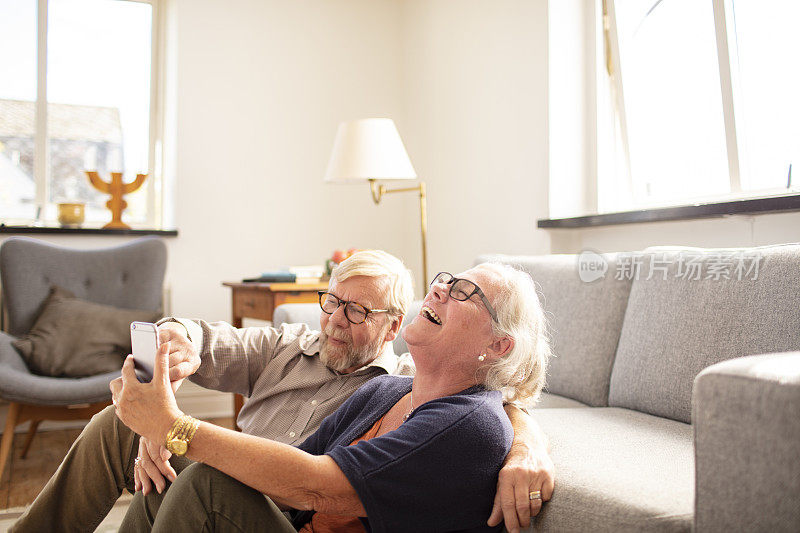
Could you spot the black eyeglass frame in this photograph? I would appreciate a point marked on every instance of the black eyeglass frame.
(475, 290)
(345, 303)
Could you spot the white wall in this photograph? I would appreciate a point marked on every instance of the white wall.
(466, 83)
(572, 137)
(260, 89)
(728, 232)
(262, 86)
(475, 95)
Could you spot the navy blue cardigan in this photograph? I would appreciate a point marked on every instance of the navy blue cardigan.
(436, 472)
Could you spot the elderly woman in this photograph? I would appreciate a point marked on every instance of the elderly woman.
(399, 455)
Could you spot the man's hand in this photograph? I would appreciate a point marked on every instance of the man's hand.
(152, 467)
(527, 468)
(183, 357)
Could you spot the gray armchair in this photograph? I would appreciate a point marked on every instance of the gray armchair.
(129, 276)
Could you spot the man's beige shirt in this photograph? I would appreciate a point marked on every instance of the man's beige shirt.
(289, 390)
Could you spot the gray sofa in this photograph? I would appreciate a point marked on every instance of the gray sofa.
(673, 399)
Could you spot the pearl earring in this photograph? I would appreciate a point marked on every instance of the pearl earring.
(481, 357)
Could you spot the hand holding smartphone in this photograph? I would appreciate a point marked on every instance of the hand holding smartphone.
(144, 344)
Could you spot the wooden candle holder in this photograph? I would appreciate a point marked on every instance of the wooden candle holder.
(117, 189)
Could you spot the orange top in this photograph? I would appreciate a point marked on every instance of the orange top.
(334, 523)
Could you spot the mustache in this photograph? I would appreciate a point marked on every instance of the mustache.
(338, 334)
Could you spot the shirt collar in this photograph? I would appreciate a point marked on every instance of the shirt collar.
(387, 360)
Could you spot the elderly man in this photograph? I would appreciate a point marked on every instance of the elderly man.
(293, 377)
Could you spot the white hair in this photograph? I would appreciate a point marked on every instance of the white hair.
(379, 264)
(520, 374)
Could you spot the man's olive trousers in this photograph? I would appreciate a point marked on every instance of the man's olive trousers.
(100, 464)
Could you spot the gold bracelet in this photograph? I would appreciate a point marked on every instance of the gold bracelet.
(181, 431)
(181, 434)
(175, 430)
(176, 443)
(187, 422)
(193, 429)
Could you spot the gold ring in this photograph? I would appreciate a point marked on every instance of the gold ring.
(535, 495)
(139, 460)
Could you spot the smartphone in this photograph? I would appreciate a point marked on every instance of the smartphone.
(144, 344)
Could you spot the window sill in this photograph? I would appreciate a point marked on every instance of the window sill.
(22, 230)
(752, 206)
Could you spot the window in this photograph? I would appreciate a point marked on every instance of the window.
(701, 101)
(77, 93)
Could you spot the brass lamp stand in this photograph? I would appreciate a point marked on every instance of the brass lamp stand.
(371, 149)
(377, 193)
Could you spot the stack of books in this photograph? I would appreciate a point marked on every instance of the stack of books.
(298, 274)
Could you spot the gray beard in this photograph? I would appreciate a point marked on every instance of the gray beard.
(352, 358)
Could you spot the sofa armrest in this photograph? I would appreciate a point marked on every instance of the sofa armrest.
(297, 314)
(746, 418)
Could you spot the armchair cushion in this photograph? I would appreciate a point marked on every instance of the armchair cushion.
(77, 338)
(17, 384)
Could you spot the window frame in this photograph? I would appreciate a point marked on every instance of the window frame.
(730, 92)
(586, 185)
(155, 156)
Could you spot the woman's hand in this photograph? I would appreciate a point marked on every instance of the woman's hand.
(148, 409)
(152, 467)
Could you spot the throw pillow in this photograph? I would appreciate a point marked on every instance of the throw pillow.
(77, 338)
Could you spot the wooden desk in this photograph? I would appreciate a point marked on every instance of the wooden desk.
(259, 300)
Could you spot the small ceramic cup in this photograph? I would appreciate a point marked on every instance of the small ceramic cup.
(70, 214)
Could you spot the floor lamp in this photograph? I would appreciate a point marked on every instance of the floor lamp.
(370, 150)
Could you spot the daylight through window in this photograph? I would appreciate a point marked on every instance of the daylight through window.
(76, 95)
(703, 100)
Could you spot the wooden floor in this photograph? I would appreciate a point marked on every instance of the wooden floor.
(24, 478)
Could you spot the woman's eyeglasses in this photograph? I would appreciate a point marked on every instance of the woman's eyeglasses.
(463, 289)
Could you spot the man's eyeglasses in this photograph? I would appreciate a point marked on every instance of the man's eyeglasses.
(355, 313)
(463, 289)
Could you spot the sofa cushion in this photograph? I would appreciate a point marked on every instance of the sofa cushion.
(617, 470)
(691, 308)
(585, 321)
(554, 401)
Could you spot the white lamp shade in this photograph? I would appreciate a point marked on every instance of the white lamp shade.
(369, 148)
